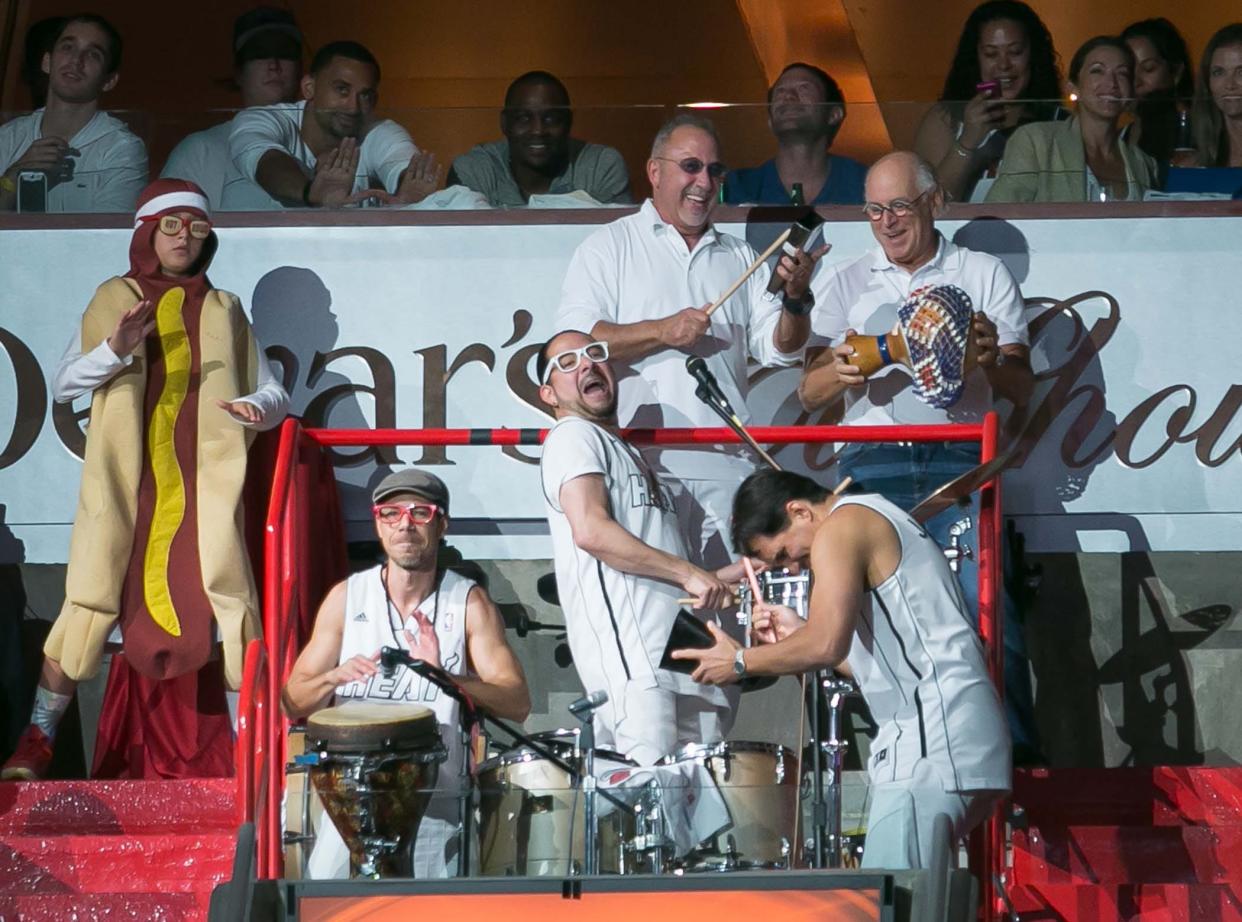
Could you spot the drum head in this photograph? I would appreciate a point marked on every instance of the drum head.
(369, 726)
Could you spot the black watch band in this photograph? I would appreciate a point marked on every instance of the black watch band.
(799, 307)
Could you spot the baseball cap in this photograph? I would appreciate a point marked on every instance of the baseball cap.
(412, 480)
(266, 32)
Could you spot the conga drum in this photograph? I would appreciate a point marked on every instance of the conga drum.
(376, 769)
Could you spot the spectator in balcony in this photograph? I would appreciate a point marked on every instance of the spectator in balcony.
(1085, 158)
(1217, 114)
(1163, 84)
(537, 155)
(267, 67)
(1004, 44)
(88, 160)
(328, 149)
(805, 112)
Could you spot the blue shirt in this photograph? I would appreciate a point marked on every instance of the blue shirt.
(761, 185)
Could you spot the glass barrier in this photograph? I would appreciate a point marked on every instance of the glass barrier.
(1157, 157)
(733, 805)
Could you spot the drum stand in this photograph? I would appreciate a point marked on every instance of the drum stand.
(826, 800)
(587, 782)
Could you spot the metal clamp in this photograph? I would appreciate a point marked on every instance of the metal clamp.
(958, 550)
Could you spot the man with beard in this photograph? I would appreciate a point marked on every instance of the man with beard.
(90, 160)
(437, 615)
(327, 150)
(267, 68)
(624, 286)
(805, 112)
(620, 562)
(537, 155)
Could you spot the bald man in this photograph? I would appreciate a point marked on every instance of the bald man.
(903, 199)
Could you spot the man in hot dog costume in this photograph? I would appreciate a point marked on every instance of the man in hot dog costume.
(157, 551)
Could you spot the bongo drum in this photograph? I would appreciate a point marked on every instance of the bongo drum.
(932, 339)
(376, 769)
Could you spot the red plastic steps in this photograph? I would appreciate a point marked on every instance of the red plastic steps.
(1126, 903)
(105, 907)
(1160, 796)
(111, 807)
(1123, 854)
(114, 850)
(114, 864)
(1146, 844)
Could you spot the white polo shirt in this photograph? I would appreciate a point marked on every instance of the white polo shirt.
(864, 296)
(385, 151)
(639, 268)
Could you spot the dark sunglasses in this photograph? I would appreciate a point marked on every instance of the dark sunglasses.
(694, 166)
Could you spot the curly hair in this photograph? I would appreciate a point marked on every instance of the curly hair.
(1208, 125)
(964, 73)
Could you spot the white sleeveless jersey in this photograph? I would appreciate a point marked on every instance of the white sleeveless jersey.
(618, 623)
(371, 623)
(920, 666)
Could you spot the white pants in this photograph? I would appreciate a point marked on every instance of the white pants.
(900, 819)
(650, 723)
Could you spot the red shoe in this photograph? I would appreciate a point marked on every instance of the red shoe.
(31, 759)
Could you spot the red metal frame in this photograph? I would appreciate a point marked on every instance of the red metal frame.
(278, 591)
(250, 764)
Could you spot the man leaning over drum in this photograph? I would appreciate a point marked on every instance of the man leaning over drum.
(885, 605)
(439, 616)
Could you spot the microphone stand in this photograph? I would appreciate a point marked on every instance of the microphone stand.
(472, 715)
(721, 408)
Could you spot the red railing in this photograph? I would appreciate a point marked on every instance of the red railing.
(279, 589)
(251, 766)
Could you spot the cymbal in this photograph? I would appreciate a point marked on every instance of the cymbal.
(959, 488)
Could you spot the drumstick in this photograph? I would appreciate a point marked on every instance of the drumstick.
(756, 592)
(754, 267)
(690, 600)
(840, 488)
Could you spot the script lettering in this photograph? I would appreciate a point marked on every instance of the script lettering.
(383, 390)
(31, 399)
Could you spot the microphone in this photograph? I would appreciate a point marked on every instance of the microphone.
(588, 702)
(799, 233)
(709, 388)
(709, 392)
(390, 659)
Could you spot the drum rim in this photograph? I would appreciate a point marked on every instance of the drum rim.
(689, 751)
(522, 754)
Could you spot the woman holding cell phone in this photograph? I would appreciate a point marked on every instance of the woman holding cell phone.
(1085, 158)
(1004, 74)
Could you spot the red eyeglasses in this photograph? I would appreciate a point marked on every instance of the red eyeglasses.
(393, 513)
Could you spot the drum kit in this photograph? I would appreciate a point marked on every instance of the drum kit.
(553, 804)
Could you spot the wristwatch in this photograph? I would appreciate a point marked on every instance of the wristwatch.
(739, 663)
(799, 307)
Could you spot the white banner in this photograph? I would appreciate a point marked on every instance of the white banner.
(1135, 433)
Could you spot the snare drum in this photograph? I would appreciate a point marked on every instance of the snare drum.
(759, 784)
(531, 813)
(376, 769)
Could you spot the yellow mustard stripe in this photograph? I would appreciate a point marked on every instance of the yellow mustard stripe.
(169, 509)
